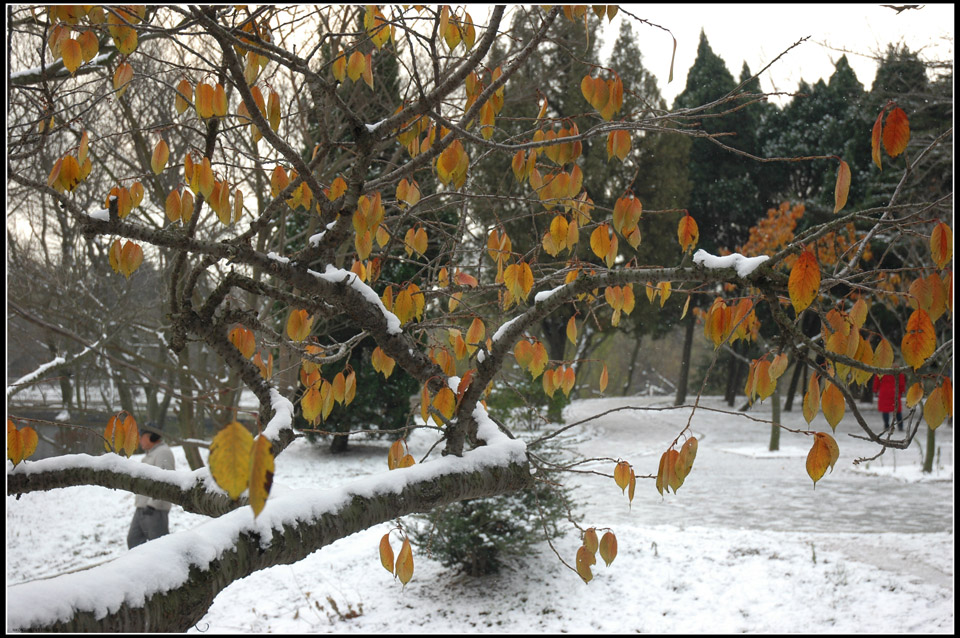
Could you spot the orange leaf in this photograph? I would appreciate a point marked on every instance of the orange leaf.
(604, 378)
(15, 443)
(684, 462)
(585, 558)
(590, 540)
(572, 330)
(687, 233)
(621, 474)
(896, 132)
(445, 402)
(823, 454)
(804, 282)
(608, 548)
(261, 474)
(843, 187)
(941, 245)
(666, 474)
(173, 206)
(920, 340)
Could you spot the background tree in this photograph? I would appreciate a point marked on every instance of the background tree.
(233, 274)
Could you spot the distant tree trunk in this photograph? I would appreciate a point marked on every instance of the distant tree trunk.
(931, 444)
(685, 362)
(775, 428)
(632, 367)
(126, 396)
(187, 417)
(794, 380)
(339, 443)
(730, 394)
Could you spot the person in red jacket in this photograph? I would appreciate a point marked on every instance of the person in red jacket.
(890, 389)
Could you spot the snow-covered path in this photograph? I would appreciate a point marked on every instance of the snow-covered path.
(746, 546)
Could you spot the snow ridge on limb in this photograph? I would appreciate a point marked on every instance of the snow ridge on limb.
(188, 569)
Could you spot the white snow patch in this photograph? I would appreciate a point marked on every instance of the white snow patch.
(339, 275)
(743, 265)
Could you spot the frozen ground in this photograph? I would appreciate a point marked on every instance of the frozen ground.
(747, 546)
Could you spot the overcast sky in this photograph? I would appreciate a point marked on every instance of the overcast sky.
(757, 33)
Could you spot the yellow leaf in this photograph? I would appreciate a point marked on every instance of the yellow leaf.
(832, 404)
(823, 454)
(299, 324)
(261, 474)
(230, 458)
(883, 355)
(405, 562)
(386, 553)
(121, 78)
(311, 403)
(604, 378)
(72, 55)
(914, 394)
(184, 96)
(934, 409)
(572, 330)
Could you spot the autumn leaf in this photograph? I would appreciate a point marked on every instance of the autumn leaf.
(914, 394)
(590, 540)
(875, 139)
(832, 404)
(684, 462)
(804, 282)
(230, 458)
(811, 400)
(299, 324)
(666, 474)
(585, 558)
(934, 409)
(687, 233)
(941, 245)
(608, 548)
(621, 475)
(261, 474)
(405, 562)
(604, 378)
(920, 340)
(386, 553)
(823, 454)
(883, 355)
(896, 132)
(843, 187)
(445, 403)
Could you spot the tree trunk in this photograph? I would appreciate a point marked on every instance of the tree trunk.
(794, 380)
(632, 367)
(339, 443)
(775, 428)
(187, 418)
(730, 395)
(685, 362)
(931, 444)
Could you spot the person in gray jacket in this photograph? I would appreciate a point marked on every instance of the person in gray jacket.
(151, 518)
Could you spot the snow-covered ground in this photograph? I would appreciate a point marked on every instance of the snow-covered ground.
(747, 545)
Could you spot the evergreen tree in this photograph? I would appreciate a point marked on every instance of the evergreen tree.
(723, 196)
